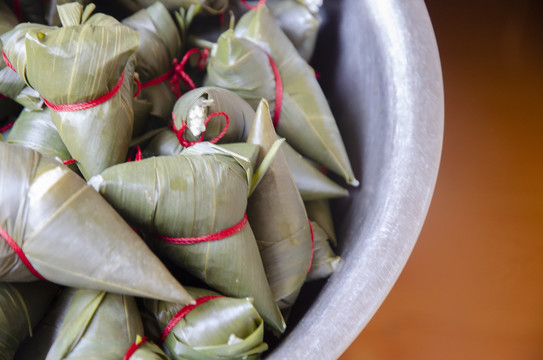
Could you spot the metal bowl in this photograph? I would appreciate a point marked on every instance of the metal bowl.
(381, 72)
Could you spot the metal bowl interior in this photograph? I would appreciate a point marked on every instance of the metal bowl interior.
(381, 71)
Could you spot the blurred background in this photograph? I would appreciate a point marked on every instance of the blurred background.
(473, 287)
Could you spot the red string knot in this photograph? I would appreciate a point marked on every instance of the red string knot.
(185, 143)
(179, 70)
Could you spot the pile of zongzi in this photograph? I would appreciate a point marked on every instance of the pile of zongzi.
(145, 145)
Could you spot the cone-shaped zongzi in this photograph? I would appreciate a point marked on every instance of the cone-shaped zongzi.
(299, 22)
(198, 194)
(81, 71)
(194, 106)
(99, 325)
(217, 327)
(277, 214)
(258, 61)
(160, 44)
(53, 225)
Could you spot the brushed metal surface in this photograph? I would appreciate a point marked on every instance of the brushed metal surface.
(385, 87)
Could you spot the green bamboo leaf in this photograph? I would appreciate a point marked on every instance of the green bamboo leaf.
(160, 44)
(99, 325)
(149, 351)
(194, 106)
(46, 206)
(78, 317)
(199, 192)
(51, 12)
(265, 164)
(44, 334)
(22, 306)
(245, 150)
(319, 211)
(164, 143)
(35, 130)
(240, 63)
(299, 22)
(221, 328)
(10, 82)
(30, 99)
(148, 192)
(277, 214)
(77, 64)
(310, 181)
(325, 261)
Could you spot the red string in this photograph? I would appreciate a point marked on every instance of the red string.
(69, 162)
(210, 237)
(134, 347)
(138, 156)
(7, 126)
(20, 253)
(138, 83)
(158, 80)
(86, 105)
(312, 247)
(155, 81)
(250, 7)
(184, 126)
(6, 60)
(202, 59)
(278, 92)
(182, 313)
(178, 73)
(2, 96)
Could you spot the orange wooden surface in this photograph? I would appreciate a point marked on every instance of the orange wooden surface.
(473, 287)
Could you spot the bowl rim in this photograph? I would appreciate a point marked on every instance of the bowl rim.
(351, 297)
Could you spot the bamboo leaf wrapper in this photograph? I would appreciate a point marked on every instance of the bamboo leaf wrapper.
(325, 261)
(70, 234)
(277, 214)
(10, 83)
(241, 62)
(299, 23)
(220, 328)
(202, 191)
(98, 325)
(35, 130)
(160, 43)
(21, 307)
(79, 63)
(195, 105)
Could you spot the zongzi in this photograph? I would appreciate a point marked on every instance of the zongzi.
(54, 226)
